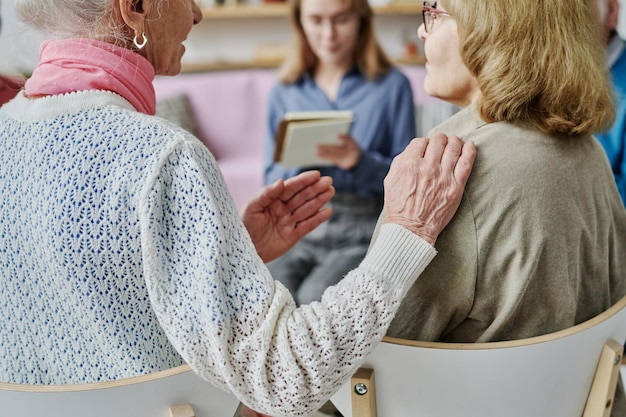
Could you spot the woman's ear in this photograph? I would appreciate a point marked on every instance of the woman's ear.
(133, 13)
(612, 15)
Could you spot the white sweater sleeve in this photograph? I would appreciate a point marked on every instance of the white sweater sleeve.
(228, 318)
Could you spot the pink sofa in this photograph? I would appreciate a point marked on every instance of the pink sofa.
(228, 111)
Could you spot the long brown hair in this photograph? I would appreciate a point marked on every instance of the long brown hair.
(368, 54)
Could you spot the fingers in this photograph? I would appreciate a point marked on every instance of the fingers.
(307, 225)
(345, 155)
(459, 157)
(312, 206)
(296, 184)
(425, 183)
(330, 152)
(265, 197)
(465, 163)
(312, 191)
(435, 149)
(286, 190)
(415, 148)
(271, 192)
(451, 153)
(448, 151)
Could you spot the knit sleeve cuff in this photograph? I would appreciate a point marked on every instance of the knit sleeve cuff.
(399, 256)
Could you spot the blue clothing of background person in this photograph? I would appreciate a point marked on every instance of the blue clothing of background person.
(337, 64)
(614, 140)
(384, 124)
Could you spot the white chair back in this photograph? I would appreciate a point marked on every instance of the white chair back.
(176, 392)
(545, 376)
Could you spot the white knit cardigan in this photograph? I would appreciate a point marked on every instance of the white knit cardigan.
(122, 253)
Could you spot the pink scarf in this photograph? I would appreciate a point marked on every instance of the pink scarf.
(71, 65)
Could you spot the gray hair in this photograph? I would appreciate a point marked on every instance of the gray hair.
(72, 18)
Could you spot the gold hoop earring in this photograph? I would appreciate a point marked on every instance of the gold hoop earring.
(143, 43)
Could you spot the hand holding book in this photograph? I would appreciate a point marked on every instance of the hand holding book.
(299, 134)
(345, 155)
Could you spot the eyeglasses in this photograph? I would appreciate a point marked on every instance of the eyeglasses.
(430, 14)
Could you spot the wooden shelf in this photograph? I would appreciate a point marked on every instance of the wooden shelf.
(400, 7)
(245, 11)
(270, 63)
(280, 9)
(269, 10)
(230, 65)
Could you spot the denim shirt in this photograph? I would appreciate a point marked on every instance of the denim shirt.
(614, 140)
(384, 124)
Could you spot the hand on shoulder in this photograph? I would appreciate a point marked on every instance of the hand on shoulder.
(425, 184)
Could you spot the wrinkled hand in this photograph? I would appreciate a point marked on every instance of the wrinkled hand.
(282, 213)
(345, 156)
(425, 184)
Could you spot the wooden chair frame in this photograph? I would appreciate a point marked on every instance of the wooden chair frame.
(176, 392)
(570, 373)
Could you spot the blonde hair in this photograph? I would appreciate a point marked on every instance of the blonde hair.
(368, 55)
(536, 61)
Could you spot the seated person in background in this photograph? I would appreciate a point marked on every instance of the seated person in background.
(614, 140)
(337, 64)
(539, 240)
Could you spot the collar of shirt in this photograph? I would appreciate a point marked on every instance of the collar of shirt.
(352, 81)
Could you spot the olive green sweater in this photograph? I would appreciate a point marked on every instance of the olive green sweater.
(537, 245)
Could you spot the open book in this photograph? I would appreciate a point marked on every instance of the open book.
(299, 133)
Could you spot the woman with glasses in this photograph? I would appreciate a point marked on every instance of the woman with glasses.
(539, 242)
(336, 63)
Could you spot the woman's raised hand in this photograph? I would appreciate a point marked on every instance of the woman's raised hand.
(284, 212)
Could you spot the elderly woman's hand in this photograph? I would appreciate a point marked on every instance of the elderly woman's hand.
(282, 213)
(425, 184)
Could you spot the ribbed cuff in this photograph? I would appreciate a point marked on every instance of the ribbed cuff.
(401, 255)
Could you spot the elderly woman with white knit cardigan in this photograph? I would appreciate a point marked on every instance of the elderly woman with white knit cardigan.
(122, 252)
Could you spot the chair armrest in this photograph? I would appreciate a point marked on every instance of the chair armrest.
(183, 410)
(602, 393)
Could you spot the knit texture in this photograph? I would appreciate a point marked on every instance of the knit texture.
(122, 253)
